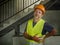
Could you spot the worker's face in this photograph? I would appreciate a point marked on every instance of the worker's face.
(38, 13)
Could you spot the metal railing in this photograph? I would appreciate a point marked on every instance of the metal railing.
(3, 2)
(12, 7)
(50, 4)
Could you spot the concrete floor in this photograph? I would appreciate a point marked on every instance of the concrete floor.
(54, 40)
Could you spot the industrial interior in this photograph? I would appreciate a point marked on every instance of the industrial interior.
(14, 15)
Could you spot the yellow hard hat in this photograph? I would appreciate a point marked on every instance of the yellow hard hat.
(41, 7)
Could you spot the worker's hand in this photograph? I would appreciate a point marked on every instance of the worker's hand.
(38, 39)
(41, 40)
(27, 36)
(35, 38)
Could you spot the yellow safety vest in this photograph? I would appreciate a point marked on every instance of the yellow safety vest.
(37, 29)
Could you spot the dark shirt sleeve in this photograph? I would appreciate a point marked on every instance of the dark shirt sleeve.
(47, 28)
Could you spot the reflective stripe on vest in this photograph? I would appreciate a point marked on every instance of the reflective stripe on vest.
(37, 29)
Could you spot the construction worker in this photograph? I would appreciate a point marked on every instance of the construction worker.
(37, 30)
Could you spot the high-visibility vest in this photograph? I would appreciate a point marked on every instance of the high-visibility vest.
(37, 29)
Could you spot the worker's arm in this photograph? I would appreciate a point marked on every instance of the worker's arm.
(35, 38)
(53, 32)
(50, 29)
(27, 36)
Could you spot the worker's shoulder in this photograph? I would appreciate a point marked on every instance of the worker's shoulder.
(48, 26)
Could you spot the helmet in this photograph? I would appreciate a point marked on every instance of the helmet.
(41, 7)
